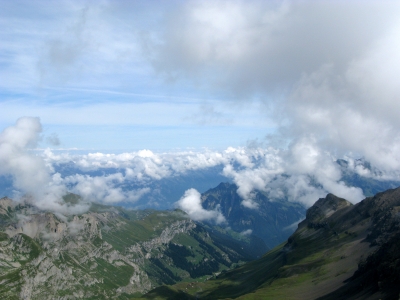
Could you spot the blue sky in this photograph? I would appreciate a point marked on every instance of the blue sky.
(84, 65)
(130, 75)
(289, 85)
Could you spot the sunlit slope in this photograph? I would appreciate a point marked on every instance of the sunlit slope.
(341, 251)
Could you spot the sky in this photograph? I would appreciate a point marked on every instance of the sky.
(293, 85)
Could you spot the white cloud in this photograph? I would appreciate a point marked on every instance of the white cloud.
(29, 172)
(302, 173)
(249, 203)
(106, 189)
(249, 47)
(191, 204)
(247, 232)
(327, 71)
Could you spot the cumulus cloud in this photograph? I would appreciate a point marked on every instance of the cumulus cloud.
(334, 111)
(191, 204)
(328, 69)
(247, 232)
(106, 189)
(258, 46)
(34, 176)
(326, 72)
(302, 173)
(29, 172)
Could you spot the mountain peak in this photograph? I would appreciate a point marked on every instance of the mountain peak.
(325, 207)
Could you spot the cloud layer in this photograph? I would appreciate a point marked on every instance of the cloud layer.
(327, 70)
(301, 173)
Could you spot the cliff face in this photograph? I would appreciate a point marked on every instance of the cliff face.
(103, 254)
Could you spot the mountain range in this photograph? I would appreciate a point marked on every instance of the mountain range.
(108, 252)
(272, 221)
(113, 252)
(340, 251)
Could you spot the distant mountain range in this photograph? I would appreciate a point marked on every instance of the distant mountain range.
(340, 251)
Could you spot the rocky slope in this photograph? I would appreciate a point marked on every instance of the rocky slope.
(107, 252)
(340, 251)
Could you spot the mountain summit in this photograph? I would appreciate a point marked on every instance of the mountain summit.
(325, 207)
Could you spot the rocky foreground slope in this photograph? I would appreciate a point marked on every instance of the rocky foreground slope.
(107, 252)
(340, 251)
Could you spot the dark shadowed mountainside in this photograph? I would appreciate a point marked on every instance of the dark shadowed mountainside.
(272, 221)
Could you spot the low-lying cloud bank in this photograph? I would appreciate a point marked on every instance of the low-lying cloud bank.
(303, 172)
